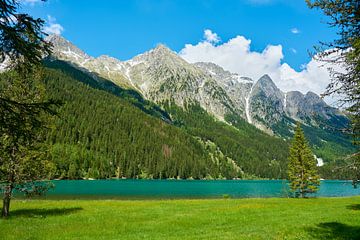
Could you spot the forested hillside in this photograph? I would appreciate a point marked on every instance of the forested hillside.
(101, 134)
(104, 131)
(256, 152)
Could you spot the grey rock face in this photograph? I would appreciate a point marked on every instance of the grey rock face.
(309, 107)
(266, 103)
(103, 66)
(236, 87)
(293, 104)
(163, 76)
(65, 49)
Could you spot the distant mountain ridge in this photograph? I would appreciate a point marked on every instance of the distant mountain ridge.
(161, 76)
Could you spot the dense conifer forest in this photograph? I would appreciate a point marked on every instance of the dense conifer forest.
(113, 133)
(104, 131)
(100, 135)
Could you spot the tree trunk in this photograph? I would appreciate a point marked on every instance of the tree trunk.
(6, 202)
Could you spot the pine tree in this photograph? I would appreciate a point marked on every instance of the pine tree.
(302, 170)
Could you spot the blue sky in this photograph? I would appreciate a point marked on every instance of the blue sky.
(124, 28)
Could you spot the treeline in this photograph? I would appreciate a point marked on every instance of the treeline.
(328, 140)
(100, 135)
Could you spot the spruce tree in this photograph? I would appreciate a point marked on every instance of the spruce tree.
(24, 109)
(302, 170)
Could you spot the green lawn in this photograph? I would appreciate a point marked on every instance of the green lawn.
(322, 218)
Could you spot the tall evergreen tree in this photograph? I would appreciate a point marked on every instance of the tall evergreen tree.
(23, 106)
(22, 150)
(302, 170)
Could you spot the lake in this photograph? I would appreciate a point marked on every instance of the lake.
(138, 189)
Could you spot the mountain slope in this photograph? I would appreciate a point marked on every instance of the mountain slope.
(163, 76)
(276, 112)
(103, 66)
(110, 137)
(101, 135)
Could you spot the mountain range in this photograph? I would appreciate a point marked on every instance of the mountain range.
(160, 75)
(241, 125)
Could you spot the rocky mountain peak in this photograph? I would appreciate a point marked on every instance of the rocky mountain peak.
(311, 96)
(266, 85)
(266, 81)
(105, 57)
(266, 103)
(65, 50)
(294, 94)
(161, 56)
(160, 52)
(163, 49)
(54, 38)
(107, 60)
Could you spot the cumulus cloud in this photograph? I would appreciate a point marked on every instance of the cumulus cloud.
(295, 31)
(211, 37)
(236, 56)
(53, 27)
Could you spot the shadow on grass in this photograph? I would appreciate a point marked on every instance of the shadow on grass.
(43, 212)
(334, 230)
(354, 207)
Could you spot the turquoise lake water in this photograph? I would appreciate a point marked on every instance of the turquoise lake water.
(133, 189)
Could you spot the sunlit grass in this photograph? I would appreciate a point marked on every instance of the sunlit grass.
(322, 218)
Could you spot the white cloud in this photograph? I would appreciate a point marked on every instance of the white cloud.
(295, 31)
(53, 27)
(211, 37)
(236, 56)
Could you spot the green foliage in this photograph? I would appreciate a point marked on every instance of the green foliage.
(112, 137)
(102, 135)
(255, 152)
(302, 170)
(109, 138)
(21, 37)
(23, 111)
(106, 132)
(328, 141)
(22, 123)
